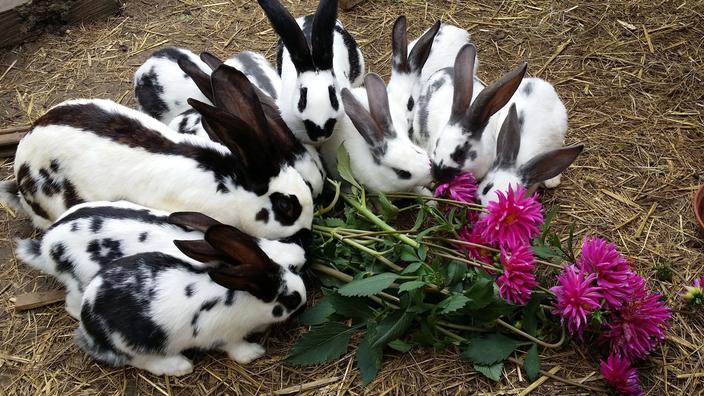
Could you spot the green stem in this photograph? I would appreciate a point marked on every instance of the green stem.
(379, 222)
(332, 204)
(470, 205)
(530, 337)
(379, 256)
(320, 267)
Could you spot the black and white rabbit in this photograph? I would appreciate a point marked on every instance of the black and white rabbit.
(145, 310)
(447, 43)
(455, 121)
(98, 150)
(161, 88)
(317, 57)
(90, 236)
(381, 157)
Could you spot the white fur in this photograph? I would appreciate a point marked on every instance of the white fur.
(447, 43)
(101, 169)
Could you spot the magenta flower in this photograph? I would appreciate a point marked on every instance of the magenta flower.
(695, 294)
(512, 219)
(621, 376)
(611, 269)
(518, 280)
(474, 252)
(462, 187)
(634, 329)
(575, 298)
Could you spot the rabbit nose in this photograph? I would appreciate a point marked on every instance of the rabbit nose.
(443, 174)
(318, 134)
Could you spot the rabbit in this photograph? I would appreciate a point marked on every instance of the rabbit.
(92, 150)
(316, 58)
(404, 84)
(381, 158)
(447, 43)
(161, 88)
(460, 134)
(144, 310)
(259, 71)
(529, 145)
(90, 236)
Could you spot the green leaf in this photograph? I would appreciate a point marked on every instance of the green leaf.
(452, 303)
(422, 252)
(350, 307)
(317, 314)
(408, 254)
(368, 359)
(412, 285)
(368, 286)
(343, 166)
(532, 363)
(491, 312)
(492, 372)
(321, 344)
(453, 272)
(389, 211)
(334, 222)
(411, 268)
(400, 346)
(489, 349)
(481, 293)
(530, 315)
(392, 327)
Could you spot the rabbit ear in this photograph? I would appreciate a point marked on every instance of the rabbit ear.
(240, 247)
(198, 76)
(494, 97)
(420, 52)
(211, 60)
(463, 82)
(399, 46)
(509, 141)
(323, 34)
(290, 33)
(233, 92)
(264, 285)
(379, 103)
(194, 220)
(200, 250)
(361, 119)
(548, 165)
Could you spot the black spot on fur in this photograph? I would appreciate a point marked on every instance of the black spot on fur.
(96, 224)
(74, 226)
(205, 307)
(316, 133)
(230, 297)
(170, 53)
(35, 248)
(262, 216)
(50, 185)
(210, 304)
(104, 251)
(487, 188)
(286, 208)
(352, 54)
(143, 236)
(54, 165)
(410, 104)
(189, 289)
(277, 311)
(71, 197)
(112, 212)
(424, 102)
(527, 88)
(333, 98)
(303, 99)
(254, 71)
(148, 92)
(290, 301)
(460, 153)
(58, 254)
(402, 174)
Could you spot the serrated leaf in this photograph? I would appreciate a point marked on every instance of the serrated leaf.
(411, 268)
(412, 285)
(400, 346)
(317, 314)
(321, 344)
(408, 254)
(389, 211)
(368, 286)
(481, 293)
(392, 327)
(453, 272)
(334, 222)
(422, 252)
(493, 311)
(530, 317)
(452, 304)
(343, 167)
(532, 363)
(350, 307)
(368, 359)
(492, 372)
(490, 349)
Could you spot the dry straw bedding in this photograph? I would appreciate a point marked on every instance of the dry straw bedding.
(630, 73)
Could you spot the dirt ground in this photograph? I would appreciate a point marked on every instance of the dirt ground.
(630, 73)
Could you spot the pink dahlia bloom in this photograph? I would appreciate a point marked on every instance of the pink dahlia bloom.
(513, 219)
(475, 252)
(634, 329)
(575, 298)
(621, 376)
(518, 280)
(611, 268)
(462, 187)
(695, 294)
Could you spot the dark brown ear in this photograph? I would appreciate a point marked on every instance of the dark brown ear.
(421, 51)
(399, 46)
(361, 119)
(509, 141)
(379, 103)
(463, 81)
(495, 96)
(198, 76)
(194, 220)
(233, 92)
(200, 250)
(211, 60)
(240, 247)
(264, 285)
(219, 124)
(548, 165)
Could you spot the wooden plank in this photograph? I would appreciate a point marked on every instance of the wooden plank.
(28, 301)
(27, 19)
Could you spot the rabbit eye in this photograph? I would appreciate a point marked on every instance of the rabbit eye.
(303, 100)
(333, 98)
(402, 174)
(410, 104)
(286, 208)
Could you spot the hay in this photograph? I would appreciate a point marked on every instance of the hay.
(630, 74)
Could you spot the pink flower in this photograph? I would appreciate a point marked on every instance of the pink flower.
(512, 219)
(695, 294)
(462, 187)
(518, 280)
(475, 252)
(634, 329)
(611, 269)
(575, 298)
(621, 376)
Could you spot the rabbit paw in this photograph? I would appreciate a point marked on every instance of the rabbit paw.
(245, 352)
(163, 365)
(552, 183)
